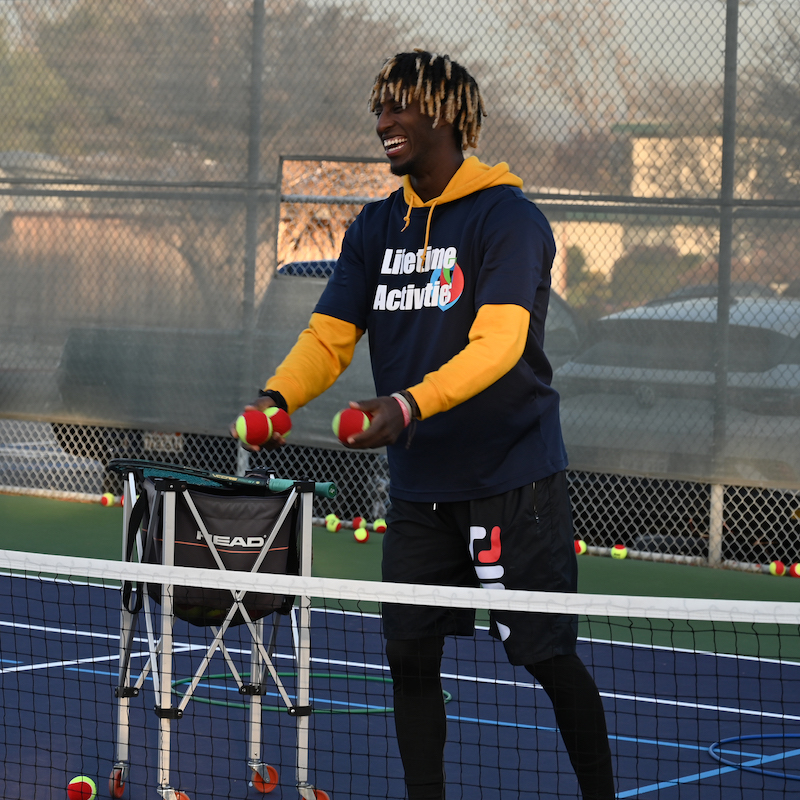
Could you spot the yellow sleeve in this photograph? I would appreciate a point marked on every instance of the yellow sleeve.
(323, 351)
(497, 341)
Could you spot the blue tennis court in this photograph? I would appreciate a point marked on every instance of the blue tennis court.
(666, 706)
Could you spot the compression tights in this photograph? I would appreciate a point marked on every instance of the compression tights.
(421, 726)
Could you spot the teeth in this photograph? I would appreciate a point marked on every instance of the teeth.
(394, 143)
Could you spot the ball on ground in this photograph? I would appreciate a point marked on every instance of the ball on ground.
(580, 547)
(361, 535)
(619, 551)
(348, 422)
(333, 523)
(281, 421)
(777, 568)
(81, 788)
(794, 570)
(254, 427)
(379, 526)
(107, 500)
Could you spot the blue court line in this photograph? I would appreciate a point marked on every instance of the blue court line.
(617, 738)
(654, 787)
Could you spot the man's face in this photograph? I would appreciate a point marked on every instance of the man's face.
(410, 141)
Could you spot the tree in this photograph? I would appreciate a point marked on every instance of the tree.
(35, 101)
(163, 92)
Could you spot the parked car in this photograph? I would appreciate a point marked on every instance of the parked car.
(641, 399)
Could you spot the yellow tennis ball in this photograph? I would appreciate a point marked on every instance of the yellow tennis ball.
(361, 534)
(379, 526)
(619, 551)
(580, 547)
(333, 523)
(82, 788)
(107, 500)
(254, 427)
(777, 568)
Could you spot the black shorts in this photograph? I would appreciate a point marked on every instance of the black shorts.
(522, 539)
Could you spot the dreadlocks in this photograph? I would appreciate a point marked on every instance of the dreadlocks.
(443, 88)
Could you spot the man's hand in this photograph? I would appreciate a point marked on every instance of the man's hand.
(262, 404)
(385, 427)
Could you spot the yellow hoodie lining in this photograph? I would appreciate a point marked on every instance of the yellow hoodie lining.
(472, 176)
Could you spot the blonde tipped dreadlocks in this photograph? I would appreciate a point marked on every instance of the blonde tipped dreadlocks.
(443, 88)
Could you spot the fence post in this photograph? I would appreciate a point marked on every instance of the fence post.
(716, 524)
(726, 200)
(251, 218)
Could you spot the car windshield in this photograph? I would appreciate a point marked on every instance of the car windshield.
(669, 344)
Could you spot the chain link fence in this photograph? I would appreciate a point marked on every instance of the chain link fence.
(175, 178)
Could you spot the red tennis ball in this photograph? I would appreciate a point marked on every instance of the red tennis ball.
(81, 788)
(254, 427)
(794, 570)
(379, 525)
(361, 535)
(281, 421)
(348, 422)
(777, 568)
(580, 547)
(359, 522)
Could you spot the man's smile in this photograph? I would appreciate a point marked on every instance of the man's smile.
(393, 144)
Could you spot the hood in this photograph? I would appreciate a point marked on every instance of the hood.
(472, 176)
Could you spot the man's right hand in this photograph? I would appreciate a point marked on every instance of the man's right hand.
(276, 441)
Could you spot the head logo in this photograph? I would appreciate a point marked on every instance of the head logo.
(450, 282)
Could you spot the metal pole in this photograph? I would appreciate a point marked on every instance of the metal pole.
(727, 187)
(726, 199)
(251, 219)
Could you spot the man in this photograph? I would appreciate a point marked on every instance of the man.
(450, 277)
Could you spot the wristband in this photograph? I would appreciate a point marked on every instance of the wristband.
(276, 398)
(405, 407)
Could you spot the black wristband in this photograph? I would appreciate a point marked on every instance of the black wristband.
(276, 398)
(411, 401)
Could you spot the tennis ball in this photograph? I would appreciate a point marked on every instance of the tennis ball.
(359, 522)
(379, 526)
(81, 788)
(794, 570)
(777, 568)
(107, 500)
(361, 535)
(254, 427)
(333, 523)
(348, 422)
(619, 551)
(580, 547)
(281, 421)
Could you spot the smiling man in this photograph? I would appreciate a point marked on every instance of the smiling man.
(450, 278)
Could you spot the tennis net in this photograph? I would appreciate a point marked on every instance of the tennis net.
(702, 696)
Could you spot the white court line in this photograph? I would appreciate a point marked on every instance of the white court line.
(95, 660)
(186, 647)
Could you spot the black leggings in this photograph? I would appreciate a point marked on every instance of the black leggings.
(421, 726)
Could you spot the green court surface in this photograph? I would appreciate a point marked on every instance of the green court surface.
(42, 525)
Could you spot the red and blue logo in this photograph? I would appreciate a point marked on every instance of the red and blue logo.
(450, 284)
